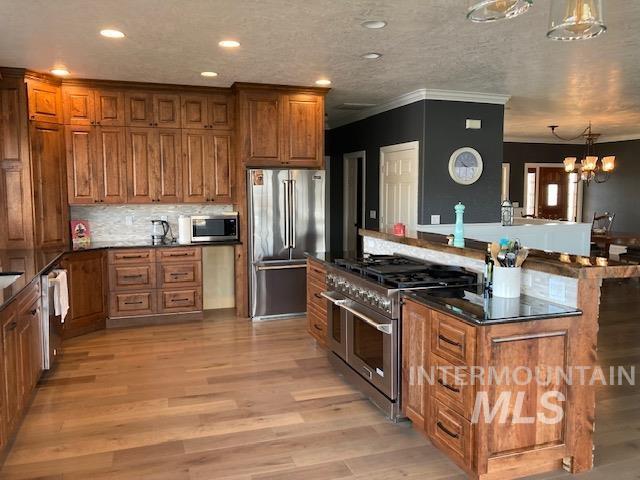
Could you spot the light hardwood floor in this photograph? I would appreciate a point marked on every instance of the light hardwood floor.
(225, 399)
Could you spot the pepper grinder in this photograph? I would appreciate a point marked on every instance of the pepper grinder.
(458, 233)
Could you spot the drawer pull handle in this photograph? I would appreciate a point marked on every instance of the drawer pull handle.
(180, 299)
(449, 341)
(131, 256)
(319, 272)
(317, 295)
(179, 254)
(134, 303)
(315, 325)
(447, 431)
(446, 385)
(180, 274)
(132, 276)
(33, 312)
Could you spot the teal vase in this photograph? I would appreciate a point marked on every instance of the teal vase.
(458, 233)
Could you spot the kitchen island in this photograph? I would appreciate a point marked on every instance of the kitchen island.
(436, 335)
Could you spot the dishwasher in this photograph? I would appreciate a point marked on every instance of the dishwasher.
(52, 324)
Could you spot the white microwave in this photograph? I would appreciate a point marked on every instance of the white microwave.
(215, 228)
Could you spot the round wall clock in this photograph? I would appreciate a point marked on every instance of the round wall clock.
(465, 166)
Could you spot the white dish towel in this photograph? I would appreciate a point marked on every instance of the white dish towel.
(60, 294)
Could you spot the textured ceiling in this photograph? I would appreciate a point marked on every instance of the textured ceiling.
(427, 44)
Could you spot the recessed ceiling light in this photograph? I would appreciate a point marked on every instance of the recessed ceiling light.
(371, 55)
(60, 71)
(323, 82)
(209, 74)
(111, 33)
(375, 24)
(229, 43)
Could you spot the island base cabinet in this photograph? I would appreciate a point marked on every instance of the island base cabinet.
(524, 418)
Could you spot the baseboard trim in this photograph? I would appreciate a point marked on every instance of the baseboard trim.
(124, 322)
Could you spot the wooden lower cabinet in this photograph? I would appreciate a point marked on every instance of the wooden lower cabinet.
(316, 304)
(152, 282)
(88, 280)
(21, 344)
(441, 404)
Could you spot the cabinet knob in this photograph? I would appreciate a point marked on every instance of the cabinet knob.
(151, 124)
(33, 312)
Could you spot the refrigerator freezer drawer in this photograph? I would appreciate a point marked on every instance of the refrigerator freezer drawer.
(279, 289)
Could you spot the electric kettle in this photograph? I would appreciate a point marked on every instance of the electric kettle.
(159, 231)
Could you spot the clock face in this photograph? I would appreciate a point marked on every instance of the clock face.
(465, 166)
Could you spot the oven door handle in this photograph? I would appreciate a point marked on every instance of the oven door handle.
(386, 328)
(330, 296)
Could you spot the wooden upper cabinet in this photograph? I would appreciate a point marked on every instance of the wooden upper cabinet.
(196, 146)
(166, 110)
(303, 130)
(261, 114)
(223, 171)
(138, 109)
(110, 164)
(207, 111)
(49, 181)
(109, 107)
(168, 170)
(77, 105)
(82, 183)
(45, 102)
(139, 144)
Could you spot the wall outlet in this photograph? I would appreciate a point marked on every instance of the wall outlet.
(128, 220)
(557, 290)
(435, 219)
(373, 214)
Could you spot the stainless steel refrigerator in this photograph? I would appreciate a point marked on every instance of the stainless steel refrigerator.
(287, 219)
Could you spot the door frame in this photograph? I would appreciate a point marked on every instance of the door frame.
(414, 145)
(347, 158)
(525, 189)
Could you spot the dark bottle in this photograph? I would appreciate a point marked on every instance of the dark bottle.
(488, 270)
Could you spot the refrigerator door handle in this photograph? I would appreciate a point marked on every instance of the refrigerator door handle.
(292, 218)
(287, 215)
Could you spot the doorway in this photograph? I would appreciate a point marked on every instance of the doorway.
(552, 193)
(399, 172)
(353, 188)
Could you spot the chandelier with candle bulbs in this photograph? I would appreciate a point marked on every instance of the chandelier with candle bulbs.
(591, 168)
(568, 19)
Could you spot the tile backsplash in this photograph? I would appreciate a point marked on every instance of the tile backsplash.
(108, 223)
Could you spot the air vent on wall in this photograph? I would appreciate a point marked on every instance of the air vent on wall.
(355, 106)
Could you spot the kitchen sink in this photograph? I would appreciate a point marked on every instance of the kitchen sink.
(7, 278)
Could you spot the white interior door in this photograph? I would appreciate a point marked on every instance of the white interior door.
(399, 185)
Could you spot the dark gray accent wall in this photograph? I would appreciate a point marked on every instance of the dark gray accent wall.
(445, 132)
(621, 194)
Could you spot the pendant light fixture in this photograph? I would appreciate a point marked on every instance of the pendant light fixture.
(575, 19)
(492, 10)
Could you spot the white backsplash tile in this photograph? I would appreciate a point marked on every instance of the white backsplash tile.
(108, 222)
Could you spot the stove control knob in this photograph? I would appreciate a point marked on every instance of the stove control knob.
(385, 304)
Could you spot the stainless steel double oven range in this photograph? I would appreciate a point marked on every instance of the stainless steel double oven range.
(364, 318)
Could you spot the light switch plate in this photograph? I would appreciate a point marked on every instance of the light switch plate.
(557, 290)
(473, 124)
(435, 219)
(128, 220)
(373, 214)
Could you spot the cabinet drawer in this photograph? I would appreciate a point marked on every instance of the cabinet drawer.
(134, 277)
(314, 297)
(180, 274)
(29, 295)
(131, 256)
(184, 300)
(317, 327)
(453, 339)
(458, 395)
(451, 432)
(179, 254)
(316, 271)
(133, 304)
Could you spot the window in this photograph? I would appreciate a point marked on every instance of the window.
(552, 195)
(531, 193)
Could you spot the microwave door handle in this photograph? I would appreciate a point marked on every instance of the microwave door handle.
(293, 219)
(287, 224)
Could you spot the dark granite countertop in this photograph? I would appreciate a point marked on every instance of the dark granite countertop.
(329, 257)
(471, 307)
(31, 263)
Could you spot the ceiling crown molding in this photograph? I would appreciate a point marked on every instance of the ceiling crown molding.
(418, 95)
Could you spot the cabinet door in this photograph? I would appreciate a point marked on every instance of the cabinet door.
(45, 102)
(87, 279)
(168, 171)
(197, 161)
(25, 360)
(140, 162)
(415, 344)
(111, 165)
(303, 130)
(50, 193)
(11, 387)
(109, 108)
(262, 125)
(194, 111)
(166, 108)
(77, 105)
(220, 188)
(138, 109)
(82, 182)
(220, 111)
(36, 360)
